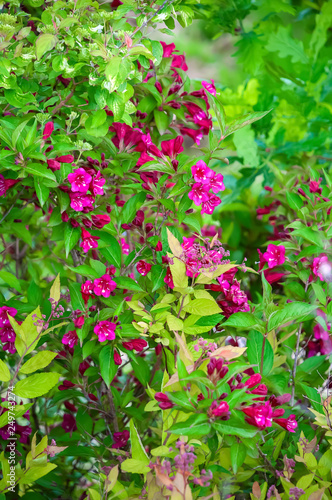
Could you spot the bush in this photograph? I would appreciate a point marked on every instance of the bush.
(149, 351)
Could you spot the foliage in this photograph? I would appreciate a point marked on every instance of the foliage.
(146, 354)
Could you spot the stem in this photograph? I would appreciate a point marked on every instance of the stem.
(263, 350)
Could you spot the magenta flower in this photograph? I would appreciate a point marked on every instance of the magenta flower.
(209, 87)
(104, 286)
(70, 339)
(289, 423)
(253, 380)
(322, 268)
(164, 402)
(97, 183)
(65, 159)
(79, 201)
(125, 246)
(79, 180)
(210, 204)
(219, 409)
(100, 220)
(173, 147)
(195, 134)
(4, 312)
(275, 255)
(199, 193)
(201, 172)
(259, 415)
(135, 344)
(69, 423)
(53, 165)
(2, 186)
(216, 183)
(105, 330)
(88, 241)
(169, 278)
(87, 291)
(48, 129)
(120, 439)
(314, 186)
(143, 267)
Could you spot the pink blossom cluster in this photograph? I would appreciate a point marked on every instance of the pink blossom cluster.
(322, 267)
(273, 257)
(206, 180)
(322, 341)
(101, 287)
(231, 299)
(7, 334)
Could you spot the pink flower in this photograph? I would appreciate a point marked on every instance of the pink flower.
(201, 172)
(322, 268)
(195, 134)
(209, 87)
(216, 183)
(120, 439)
(253, 380)
(117, 358)
(314, 186)
(209, 205)
(5, 184)
(159, 247)
(4, 312)
(53, 165)
(135, 344)
(173, 147)
(199, 193)
(169, 278)
(88, 241)
(275, 255)
(259, 415)
(105, 330)
(69, 423)
(79, 180)
(143, 267)
(100, 220)
(219, 409)
(48, 129)
(289, 423)
(97, 183)
(70, 338)
(79, 201)
(65, 159)
(104, 286)
(87, 291)
(125, 246)
(163, 399)
(168, 49)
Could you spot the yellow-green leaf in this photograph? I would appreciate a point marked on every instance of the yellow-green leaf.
(44, 43)
(42, 359)
(4, 372)
(36, 385)
(202, 307)
(55, 289)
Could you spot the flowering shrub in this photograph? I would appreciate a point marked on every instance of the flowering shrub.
(151, 346)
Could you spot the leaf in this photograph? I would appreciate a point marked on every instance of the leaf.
(162, 121)
(202, 307)
(291, 312)
(36, 472)
(157, 277)
(71, 237)
(196, 425)
(254, 352)
(228, 352)
(4, 372)
(11, 280)
(44, 43)
(137, 449)
(36, 385)
(294, 200)
(174, 323)
(18, 411)
(174, 244)
(112, 68)
(235, 428)
(37, 362)
(76, 296)
(55, 289)
(42, 191)
(112, 252)
(131, 206)
(27, 333)
(107, 365)
(135, 466)
(245, 120)
(178, 271)
(286, 46)
(243, 320)
(238, 455)
(127, 284)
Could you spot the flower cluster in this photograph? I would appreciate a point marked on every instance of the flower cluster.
(206, 180)
(101, 287)
(7, 334)
(231, 299)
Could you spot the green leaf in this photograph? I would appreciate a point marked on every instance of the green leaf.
(40, 170)
(254, 352)
(243, 320)
(161, 120)
(286, 46)
(71, 237)
(235, 427)
(84, 270)
(44, 43)
(294, 200)
(196, 425)
(137, 448)
(157, 277)
(36, 472)
(245, 120)
(55, 289)
(113, 252)
(293, 311)
(4, 372)
(37, 362)
(131, 206)
(75, 296)
(42, 191)
(112, 68)
(238, 455)
(36, 385)
(202, 307)
(134, 466)
(11, 280)
(108, 368)
(18, 411)
(127, 284)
